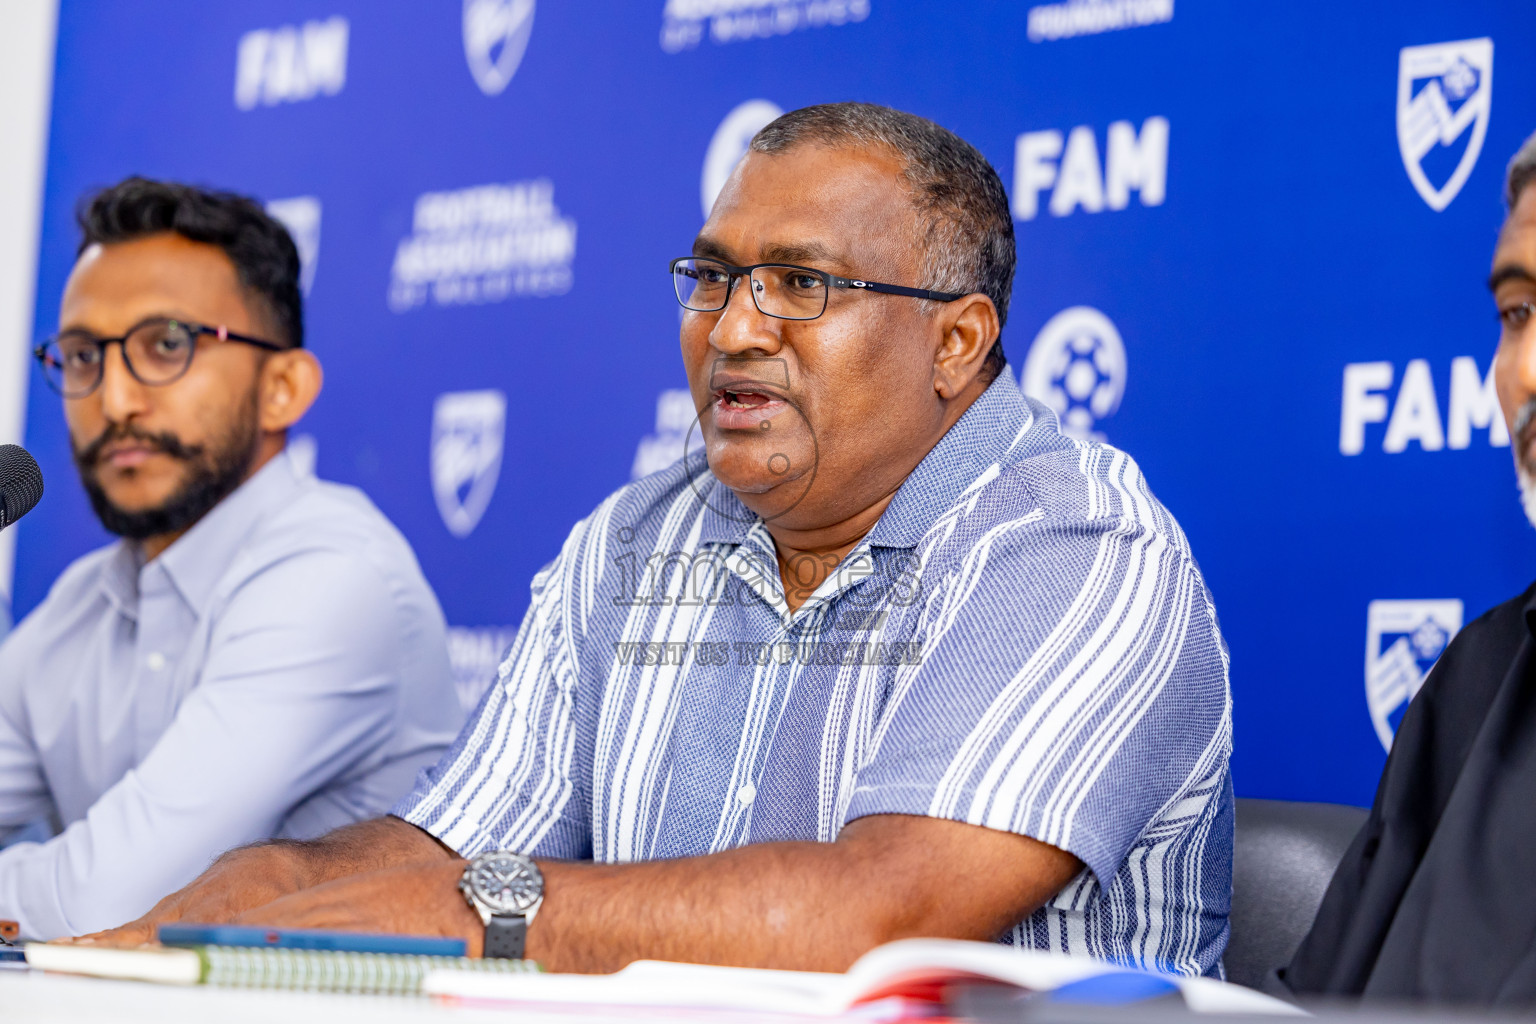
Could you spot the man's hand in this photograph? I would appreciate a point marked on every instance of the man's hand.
(253, 876)
(237, 882)
(414, 899)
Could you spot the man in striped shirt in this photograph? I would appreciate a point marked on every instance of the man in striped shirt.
(889, 656)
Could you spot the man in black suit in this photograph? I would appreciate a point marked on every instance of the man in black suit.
(1436, 898)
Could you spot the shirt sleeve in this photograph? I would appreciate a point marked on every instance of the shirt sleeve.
(24, 795)
(300, 686)
(509, 780)
(1071, 687)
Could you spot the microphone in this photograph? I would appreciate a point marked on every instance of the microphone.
(21, 483)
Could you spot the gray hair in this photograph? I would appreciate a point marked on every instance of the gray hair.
(1522, 171)
(966, 226)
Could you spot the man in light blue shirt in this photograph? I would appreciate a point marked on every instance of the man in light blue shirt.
(259, 656)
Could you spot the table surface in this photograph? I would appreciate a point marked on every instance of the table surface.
(38, 996)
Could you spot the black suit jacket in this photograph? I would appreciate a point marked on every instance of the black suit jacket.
(1436, 898)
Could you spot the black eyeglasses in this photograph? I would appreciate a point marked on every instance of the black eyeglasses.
(157, 351)
(780, 290)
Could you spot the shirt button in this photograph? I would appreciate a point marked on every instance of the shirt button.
(155, 661)
(746, 794)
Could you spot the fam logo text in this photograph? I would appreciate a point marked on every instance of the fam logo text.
(291, 63)
(1412, 416)
(1069, 166)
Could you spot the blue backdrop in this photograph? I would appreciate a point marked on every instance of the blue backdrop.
(1252, 237)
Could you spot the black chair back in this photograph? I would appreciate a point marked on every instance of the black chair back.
(1285, 856)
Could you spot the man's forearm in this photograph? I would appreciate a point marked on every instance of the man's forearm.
(812, 906)
(800, 905)
(783, 905)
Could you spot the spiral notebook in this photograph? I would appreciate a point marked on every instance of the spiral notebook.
(242, 967)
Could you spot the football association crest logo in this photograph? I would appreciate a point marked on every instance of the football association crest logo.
(674, 437)
(729, 144)
(495, 38)
(301, 216)
(468, 430)
(1403, 639)
(1076, 365)
(1444, 93)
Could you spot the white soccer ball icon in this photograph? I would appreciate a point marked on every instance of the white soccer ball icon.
(1076, 365)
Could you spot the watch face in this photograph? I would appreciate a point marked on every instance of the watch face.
(506, 882)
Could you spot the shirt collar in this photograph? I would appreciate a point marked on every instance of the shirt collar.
(199, 557)
(120, 578)
(726, 519)
(981, 437)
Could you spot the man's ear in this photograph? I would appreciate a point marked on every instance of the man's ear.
(290, 383)
(970, 328)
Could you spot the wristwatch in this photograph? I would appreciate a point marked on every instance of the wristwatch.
(506, 890)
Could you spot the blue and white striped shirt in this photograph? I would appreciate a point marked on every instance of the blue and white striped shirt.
(1023, 641)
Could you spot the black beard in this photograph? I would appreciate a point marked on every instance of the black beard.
(212, 476)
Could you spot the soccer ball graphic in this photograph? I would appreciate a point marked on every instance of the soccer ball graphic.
(1082, 390)
(1428, 640)
(1076, 365)
(1460, 80)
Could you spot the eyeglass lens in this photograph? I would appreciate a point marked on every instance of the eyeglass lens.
(157, 353)
(791, 293)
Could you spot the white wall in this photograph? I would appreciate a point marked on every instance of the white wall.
(26, 85)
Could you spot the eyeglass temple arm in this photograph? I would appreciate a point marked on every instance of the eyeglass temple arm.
(225, 334)
(896, 289)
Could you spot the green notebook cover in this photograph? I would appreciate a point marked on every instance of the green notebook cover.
(329, 971)
(255, 967)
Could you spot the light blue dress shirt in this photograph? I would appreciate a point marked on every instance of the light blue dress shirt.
(280, 670)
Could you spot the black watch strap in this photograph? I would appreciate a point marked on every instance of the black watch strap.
(506, 935)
